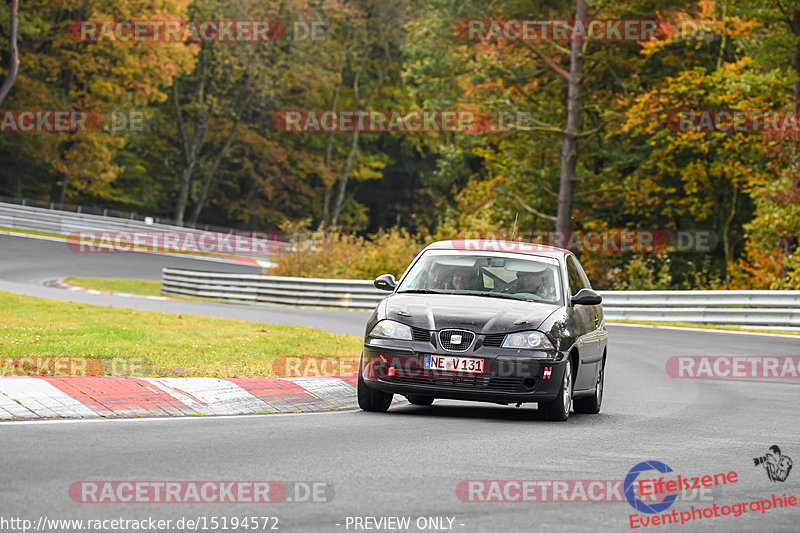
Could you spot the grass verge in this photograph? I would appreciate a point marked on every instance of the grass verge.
(130, 286)
(32, 232)
(146, 343)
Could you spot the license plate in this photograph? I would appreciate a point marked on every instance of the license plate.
(449, 363)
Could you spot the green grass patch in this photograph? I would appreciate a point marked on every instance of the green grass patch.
(704, 326)
(33, 232)
(146, 343)
(130, 286)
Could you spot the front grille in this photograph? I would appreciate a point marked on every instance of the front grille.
(495, 340)
(465, 338)
(506, 384)
(419, 334)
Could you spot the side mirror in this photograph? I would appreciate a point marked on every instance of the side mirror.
(586, 297)
(385, 282)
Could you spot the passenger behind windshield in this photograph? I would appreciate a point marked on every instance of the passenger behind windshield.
(532, 282)
(537, 283)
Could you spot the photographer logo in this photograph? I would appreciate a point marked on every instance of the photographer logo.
(777, 466)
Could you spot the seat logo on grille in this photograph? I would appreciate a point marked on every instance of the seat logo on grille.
(456, 340)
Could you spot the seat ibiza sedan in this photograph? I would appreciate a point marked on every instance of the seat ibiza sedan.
(491, 321)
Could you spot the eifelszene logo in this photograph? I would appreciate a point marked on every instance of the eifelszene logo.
(630, 485)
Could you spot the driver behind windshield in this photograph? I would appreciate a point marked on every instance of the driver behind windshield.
(464, 280)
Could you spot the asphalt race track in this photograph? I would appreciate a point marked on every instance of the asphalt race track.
(409, 461)
(26, 264)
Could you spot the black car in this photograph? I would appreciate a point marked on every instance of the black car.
(492, 321)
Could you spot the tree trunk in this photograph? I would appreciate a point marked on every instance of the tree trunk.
(58, 189)
(183, 194)
(351, 156)
(211, 172)
(790, 244)
(13, 58)
(348, 167)
(58, 193)
(569, 149)
(326, 200)
(191, 149)
(326, 206)
(726, 238)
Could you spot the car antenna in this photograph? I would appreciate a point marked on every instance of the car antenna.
(514, 230)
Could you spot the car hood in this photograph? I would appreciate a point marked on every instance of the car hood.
(475, 313)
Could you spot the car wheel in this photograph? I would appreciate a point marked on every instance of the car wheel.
(372, 400)
(558, 409)
(591, 405)
(420, 400)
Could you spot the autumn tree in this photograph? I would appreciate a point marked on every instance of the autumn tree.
(61, 73)
(13, 52)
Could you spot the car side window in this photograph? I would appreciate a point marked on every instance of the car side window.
(584, 278)
(575, 281)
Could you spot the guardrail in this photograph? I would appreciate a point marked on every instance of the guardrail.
(12, 202)
(252, 288)
(66, 223)
(780, 309)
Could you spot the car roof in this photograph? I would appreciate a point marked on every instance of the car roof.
(489, 246)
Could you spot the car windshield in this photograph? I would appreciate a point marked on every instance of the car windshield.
(513, 276)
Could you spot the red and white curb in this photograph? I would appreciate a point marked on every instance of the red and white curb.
(251, 262)
(23, 397)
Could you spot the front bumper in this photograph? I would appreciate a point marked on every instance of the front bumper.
(509, 376)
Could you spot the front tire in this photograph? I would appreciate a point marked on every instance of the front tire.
(413, 399)
(591, 405)
(372, 400)
(558, 409)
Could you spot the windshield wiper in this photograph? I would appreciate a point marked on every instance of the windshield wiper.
(490, 295)
(420, 291)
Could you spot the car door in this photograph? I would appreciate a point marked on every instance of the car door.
(597, 314)
(586, 318)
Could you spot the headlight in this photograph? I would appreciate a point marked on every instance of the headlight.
(528, 340)
(390, 329)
